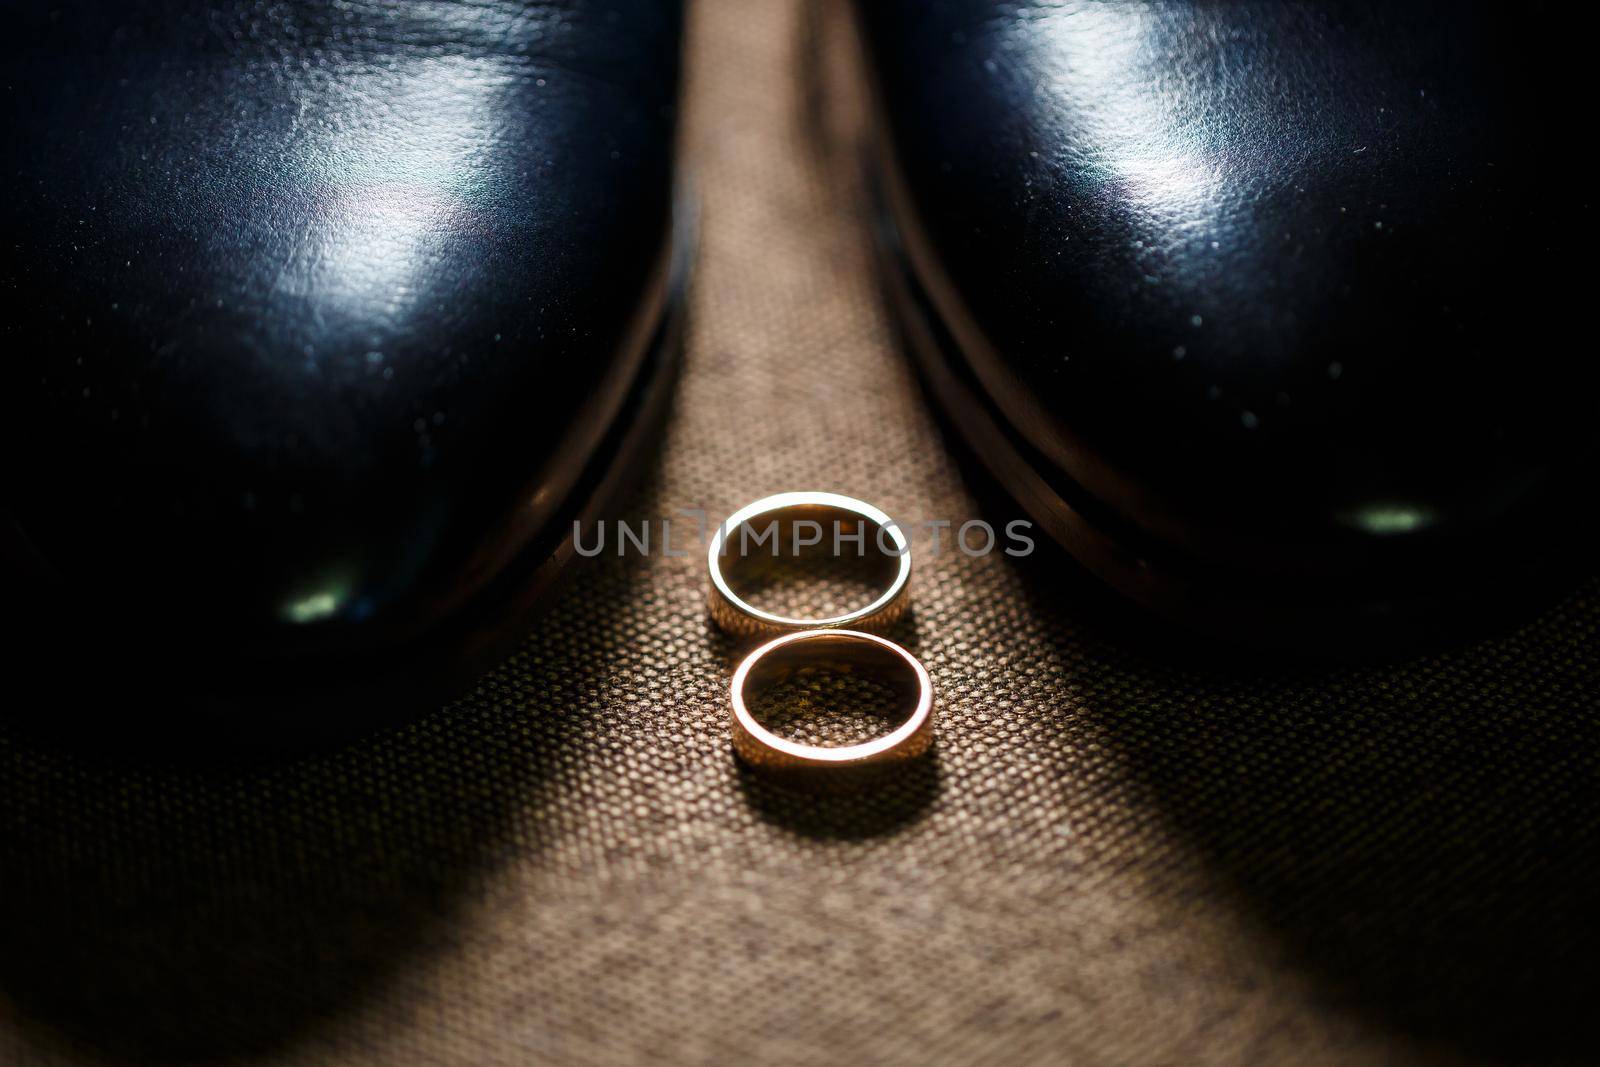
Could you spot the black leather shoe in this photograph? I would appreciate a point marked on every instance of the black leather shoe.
(1260, 308)
(327, 319)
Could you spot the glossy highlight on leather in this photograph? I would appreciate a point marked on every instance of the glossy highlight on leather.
(318, 311)
(1274, 287)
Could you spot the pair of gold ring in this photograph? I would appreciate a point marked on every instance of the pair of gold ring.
(797, 645)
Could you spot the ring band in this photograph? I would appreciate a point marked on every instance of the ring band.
(852, 651)
(783, 512)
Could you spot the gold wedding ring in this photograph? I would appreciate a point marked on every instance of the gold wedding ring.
(829, 520)
(850, 652)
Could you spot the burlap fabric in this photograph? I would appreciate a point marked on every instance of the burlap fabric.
(1128, 850)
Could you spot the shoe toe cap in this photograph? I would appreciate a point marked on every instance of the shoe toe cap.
(316, 322)
(1265, 283)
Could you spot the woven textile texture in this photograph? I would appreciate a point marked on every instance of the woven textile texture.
(1127, 849)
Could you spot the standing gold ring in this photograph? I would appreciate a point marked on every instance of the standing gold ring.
(777, 519)
(848, 651)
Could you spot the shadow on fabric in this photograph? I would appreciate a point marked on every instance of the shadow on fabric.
(1422, 833)
(194, 909)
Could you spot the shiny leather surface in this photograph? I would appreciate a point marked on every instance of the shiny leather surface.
(1280, 284)
(318, 309)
